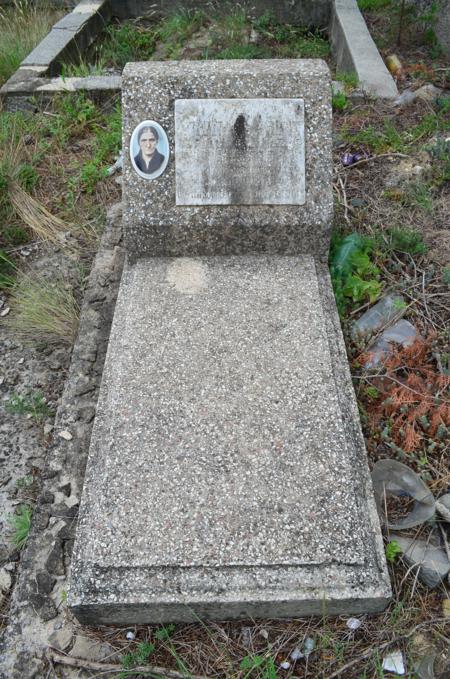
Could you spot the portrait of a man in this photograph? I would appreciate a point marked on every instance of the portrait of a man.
(149, 149)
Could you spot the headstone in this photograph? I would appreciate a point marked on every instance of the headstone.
(227, 475)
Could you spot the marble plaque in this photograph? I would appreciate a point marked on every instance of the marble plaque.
(240, 152)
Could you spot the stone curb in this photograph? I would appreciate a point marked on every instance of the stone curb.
(352, 48)
(355, 51)
(37, 610)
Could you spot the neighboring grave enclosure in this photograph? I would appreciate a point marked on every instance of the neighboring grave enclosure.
(160, 219)
(43, 73)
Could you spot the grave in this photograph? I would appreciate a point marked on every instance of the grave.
(227, 475)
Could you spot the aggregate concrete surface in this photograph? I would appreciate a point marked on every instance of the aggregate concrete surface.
(223, 480)
(155, 225)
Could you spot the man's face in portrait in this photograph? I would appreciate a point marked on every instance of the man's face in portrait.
(147, 143)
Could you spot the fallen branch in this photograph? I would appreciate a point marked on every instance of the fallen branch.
(62, 659)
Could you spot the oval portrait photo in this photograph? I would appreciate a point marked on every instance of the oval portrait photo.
(149, 149)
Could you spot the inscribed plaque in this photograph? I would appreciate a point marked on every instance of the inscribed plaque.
(240, 152)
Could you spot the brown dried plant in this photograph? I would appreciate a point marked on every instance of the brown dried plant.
(414, 396)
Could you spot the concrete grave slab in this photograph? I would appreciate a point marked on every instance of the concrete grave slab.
(227, 474)
(156, 223)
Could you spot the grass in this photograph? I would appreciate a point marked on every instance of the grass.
(373, 5)
(30, 403)
(218, 35)
(20, 522)
(43, 310)
(22, 27)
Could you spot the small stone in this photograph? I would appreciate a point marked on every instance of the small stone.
(90, 649)
(285, 665)
(130, 635)
(60, 638)
(393, 662)
(21, 361)
(5, 580)
(296, 654)
(5, 311)
(45, 582)
(66, 435)
(353, 623)
(308, 646)
(47, 428)
(264, 633)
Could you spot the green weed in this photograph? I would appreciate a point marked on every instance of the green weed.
(31, 403)
(7, 269)
(139, 657)
(418, 194)
(339, 101)
(20, 522)
(446, 275)
(393, 550)
(404, 240)
(126, 42)
(373, 4)
(264, 665)
(43, 310)
(82, 69)
(349, 79)
(243, 52)
(355, 277)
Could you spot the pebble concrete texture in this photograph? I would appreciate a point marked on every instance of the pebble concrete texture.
(154, 225)
(355, 51)
(227, 475)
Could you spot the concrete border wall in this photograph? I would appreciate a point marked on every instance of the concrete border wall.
(352, 46)
(355, 51)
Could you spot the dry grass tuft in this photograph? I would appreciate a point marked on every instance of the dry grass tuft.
(42, 223)
(43, 310)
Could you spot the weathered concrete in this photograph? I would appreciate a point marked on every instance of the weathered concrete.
(355, 51)
(442, 28)
(240, 151)
(70, 36)
(155, 225)
(226, 476)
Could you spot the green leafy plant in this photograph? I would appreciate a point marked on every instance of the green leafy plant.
(164, 633)
(349, 78)
(393, 550)
(339, 101)
(373, 4)
(263, 665)
(139, 657)
(31, 403)
(404, 240)
(20, 522)
(354, 276)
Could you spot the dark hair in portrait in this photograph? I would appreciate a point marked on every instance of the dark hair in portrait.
(149, 159)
